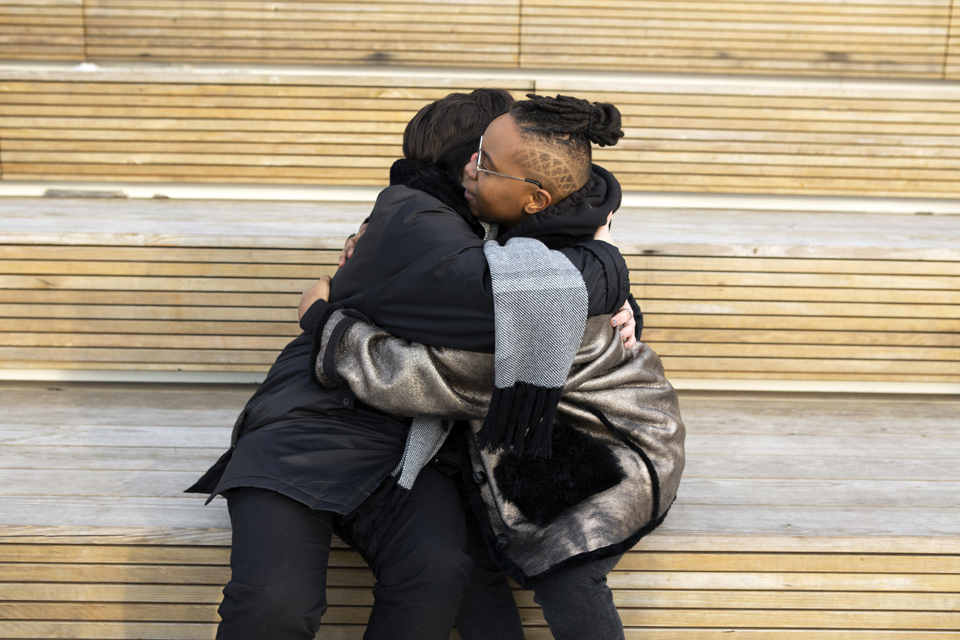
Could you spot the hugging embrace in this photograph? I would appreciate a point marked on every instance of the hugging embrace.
(468, 401)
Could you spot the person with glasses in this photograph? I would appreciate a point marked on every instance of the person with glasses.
(307, 461)
(554, 502)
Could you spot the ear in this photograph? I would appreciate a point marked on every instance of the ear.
(540, 200)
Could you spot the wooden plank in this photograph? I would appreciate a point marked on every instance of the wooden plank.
(642, 263)
(946, 370)
(775, 336)
(681, 286)
(288, 329)
(775, 308)
(225, 255)
(623, 598)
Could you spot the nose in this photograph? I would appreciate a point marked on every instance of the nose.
(471, 168)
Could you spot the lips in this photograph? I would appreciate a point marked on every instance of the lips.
(469, 196)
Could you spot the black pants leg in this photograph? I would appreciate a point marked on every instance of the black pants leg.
(279, 557)
(422, 564)
(281, 547)
(578, 604)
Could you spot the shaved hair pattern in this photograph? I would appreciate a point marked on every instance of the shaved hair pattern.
(560, 131)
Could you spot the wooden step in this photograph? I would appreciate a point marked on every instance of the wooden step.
(800, 517)
(738, 135)
(170, 285)
(891, 39)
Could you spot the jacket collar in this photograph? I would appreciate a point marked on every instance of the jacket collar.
(437, 183)
(576, 216)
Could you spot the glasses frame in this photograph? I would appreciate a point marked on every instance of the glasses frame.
(502, 175)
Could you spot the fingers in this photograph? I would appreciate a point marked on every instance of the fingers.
(627, 325)
(349, 245)
(623, 316)
(347, 251)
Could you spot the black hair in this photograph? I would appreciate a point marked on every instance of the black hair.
(565, 126)
(447, 132)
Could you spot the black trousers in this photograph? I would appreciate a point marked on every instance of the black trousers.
(281, 550)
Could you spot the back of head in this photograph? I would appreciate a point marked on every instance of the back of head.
(559, 132)
(447, 132)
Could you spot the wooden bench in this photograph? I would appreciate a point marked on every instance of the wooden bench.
(179, 286)
(819, 37)
(800, 517)
(717, 135)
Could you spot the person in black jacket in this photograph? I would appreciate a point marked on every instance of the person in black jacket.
(305, 459)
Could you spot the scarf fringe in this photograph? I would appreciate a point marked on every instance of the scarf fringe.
(520, 418)
(366, 525)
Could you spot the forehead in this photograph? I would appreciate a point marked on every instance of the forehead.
(501, 140)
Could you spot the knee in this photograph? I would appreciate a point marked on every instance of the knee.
(579, 586)
(270, 611)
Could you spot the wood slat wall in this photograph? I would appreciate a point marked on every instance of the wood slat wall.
(41, 30)
(425, 32)
(884, 38)
(223, 128)
(151, 308)
(720, 136)
(877, 38)
(783, 138)
(728, 317)
(232, 309)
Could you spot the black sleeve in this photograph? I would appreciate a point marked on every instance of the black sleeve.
(604, 272)
(421, 274)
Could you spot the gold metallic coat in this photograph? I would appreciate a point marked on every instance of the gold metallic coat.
(627, 387)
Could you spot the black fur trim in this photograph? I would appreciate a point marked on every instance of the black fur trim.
(475, 500)
(520, 418)
(366, 525)
(544, 488)
(651, 470)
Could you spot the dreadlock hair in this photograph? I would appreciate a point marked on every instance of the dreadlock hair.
(560, 131)
(447, 131)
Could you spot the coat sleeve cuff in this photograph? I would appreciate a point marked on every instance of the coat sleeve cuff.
(615, 271)
(326, 343)
(313, 322)
(319, 309)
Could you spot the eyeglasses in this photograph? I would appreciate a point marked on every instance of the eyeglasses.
(502, 175)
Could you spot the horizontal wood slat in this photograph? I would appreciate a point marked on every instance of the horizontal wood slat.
(715, 136)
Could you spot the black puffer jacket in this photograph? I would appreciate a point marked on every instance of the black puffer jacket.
(419, 272)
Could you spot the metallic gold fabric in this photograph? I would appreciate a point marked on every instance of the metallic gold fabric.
(627, 387)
